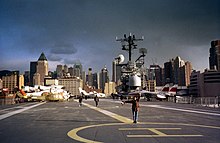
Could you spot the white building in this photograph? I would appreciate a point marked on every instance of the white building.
(71, 84)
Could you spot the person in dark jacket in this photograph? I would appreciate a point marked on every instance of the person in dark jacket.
(96, 99)
(80, 100)
(135, 107)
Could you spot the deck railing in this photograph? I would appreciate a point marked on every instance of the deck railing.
(203, 101)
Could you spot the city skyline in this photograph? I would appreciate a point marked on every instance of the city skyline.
(85, 31)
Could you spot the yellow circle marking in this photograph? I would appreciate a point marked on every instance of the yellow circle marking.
(73, 133)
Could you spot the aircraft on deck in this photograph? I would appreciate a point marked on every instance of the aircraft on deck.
(160, 95)
(43, 93)
(164, 93)
(91, 94)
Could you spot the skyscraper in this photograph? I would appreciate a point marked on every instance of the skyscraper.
(59, 70)
(36, 79)
(33, 70)
(78, 70)
(27, 78)
(103, 78)
(168, 71)
(116, 71)
(156, 71)
(214, 55)
(95, 78)
(178, 63)
(42, 67)
(184, 74)
(90, 77)
(65, 69)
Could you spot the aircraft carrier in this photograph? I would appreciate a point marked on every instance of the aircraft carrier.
(110, 122)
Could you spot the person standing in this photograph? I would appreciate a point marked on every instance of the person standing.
(135, 107)
(96, 99)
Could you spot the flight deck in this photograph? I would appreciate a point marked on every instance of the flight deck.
(159, 122)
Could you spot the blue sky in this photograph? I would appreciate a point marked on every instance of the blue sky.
(68, 31)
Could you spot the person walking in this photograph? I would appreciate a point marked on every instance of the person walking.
(96, 99)
(80, 100)
(135, 107)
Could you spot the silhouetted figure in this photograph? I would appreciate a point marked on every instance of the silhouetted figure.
(80, 100)
(96, 99)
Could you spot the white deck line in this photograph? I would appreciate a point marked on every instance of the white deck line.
(184, 110)
(19, 111)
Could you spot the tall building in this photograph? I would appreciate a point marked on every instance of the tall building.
(27, 78)
(116, 72)
(1, 84)
(77, 72)
(59, 70)
(11, 81)
(177, 71)
(36, 79)
(84, 77)
(214, 55)
(90, 77)
(65, 69)
(21, 81)
(195, 83)
(33, 70)
(155, 73)
(78, 69)
(103, 78)
(42, 68)
(71, 71)
(184, 74)
(168, 71)
(177, 64)
(95, 78)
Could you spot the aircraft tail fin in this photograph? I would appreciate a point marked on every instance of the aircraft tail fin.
(166, 88)
(173, 89)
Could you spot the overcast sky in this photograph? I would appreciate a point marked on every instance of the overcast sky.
(68, 31)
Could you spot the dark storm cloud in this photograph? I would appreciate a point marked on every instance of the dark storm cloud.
(54, 57)
(63, 48)
(170, 28)
(70, 61)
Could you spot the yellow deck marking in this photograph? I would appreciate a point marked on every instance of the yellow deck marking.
(113, 115)
(157, 132)
(73, 133)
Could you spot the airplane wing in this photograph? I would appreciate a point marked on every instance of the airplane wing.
(90, 94)
(161, 95)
